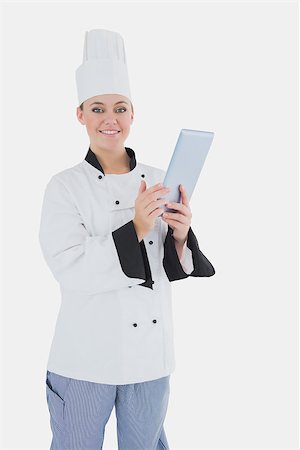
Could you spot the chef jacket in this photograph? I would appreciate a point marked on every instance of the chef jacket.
(115, 322)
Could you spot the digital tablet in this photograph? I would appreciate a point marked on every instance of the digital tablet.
(186, 164)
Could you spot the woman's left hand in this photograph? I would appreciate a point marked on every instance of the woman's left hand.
(179, 221)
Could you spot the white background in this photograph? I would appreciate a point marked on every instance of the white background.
(226, 67)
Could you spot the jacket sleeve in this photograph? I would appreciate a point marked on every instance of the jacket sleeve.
(174, 269)
(84, 263)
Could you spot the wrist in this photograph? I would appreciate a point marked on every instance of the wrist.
(180, 242)
(138, 231)
(179, 248)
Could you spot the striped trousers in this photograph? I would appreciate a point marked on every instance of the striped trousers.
(79, 411)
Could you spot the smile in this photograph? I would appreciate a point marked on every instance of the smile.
(110, 133)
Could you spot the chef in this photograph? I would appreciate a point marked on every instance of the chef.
(114, 256)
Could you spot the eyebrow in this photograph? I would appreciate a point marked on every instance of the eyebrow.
(100, 103)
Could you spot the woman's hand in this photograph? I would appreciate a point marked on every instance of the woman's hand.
(147, 207)
(179, 221)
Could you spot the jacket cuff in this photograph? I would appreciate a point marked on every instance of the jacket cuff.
(171, 262)
(132, 254)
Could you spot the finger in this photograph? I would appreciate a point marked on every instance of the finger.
(184, 196)
(143, 186)
(176, 224)
(180, 207)
(176, 217)
(155, 206)
(154, 188)
(149, 198)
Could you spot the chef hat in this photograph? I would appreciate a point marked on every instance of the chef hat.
(104, 69)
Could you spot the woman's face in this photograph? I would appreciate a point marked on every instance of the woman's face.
(106, 112)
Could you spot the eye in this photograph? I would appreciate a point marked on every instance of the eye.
(98, 109)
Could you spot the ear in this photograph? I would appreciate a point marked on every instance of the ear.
(80, 115)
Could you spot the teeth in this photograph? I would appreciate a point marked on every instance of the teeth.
(109, 132)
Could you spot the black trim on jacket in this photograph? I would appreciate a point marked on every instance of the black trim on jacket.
(171, 262)
(132, 254)
(92, 159)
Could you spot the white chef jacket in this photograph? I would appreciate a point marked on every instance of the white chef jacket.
(115, 323)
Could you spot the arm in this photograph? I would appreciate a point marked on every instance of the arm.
(185, 257)
(84, 263)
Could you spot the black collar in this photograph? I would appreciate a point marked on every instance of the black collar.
(92, 159)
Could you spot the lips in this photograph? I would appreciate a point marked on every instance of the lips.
(111, 135)
(112, 130)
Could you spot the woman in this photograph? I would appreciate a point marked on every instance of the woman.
(114, 257)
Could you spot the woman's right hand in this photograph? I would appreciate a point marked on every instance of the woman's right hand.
(147, 207)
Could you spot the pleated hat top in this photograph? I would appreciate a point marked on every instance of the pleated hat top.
(104, 67)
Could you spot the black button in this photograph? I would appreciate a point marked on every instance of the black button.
(143, 175)
(150, 242)
(117, 202)
(100, 176)
(154, 321)
(130, 286)
(135, 324)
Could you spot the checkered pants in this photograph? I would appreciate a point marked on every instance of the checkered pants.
(79, 411)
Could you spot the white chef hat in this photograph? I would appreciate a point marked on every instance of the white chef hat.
(104, 69)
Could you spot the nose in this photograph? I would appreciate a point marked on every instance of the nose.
(108, 120)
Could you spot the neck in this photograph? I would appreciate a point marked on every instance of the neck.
(112, 160)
